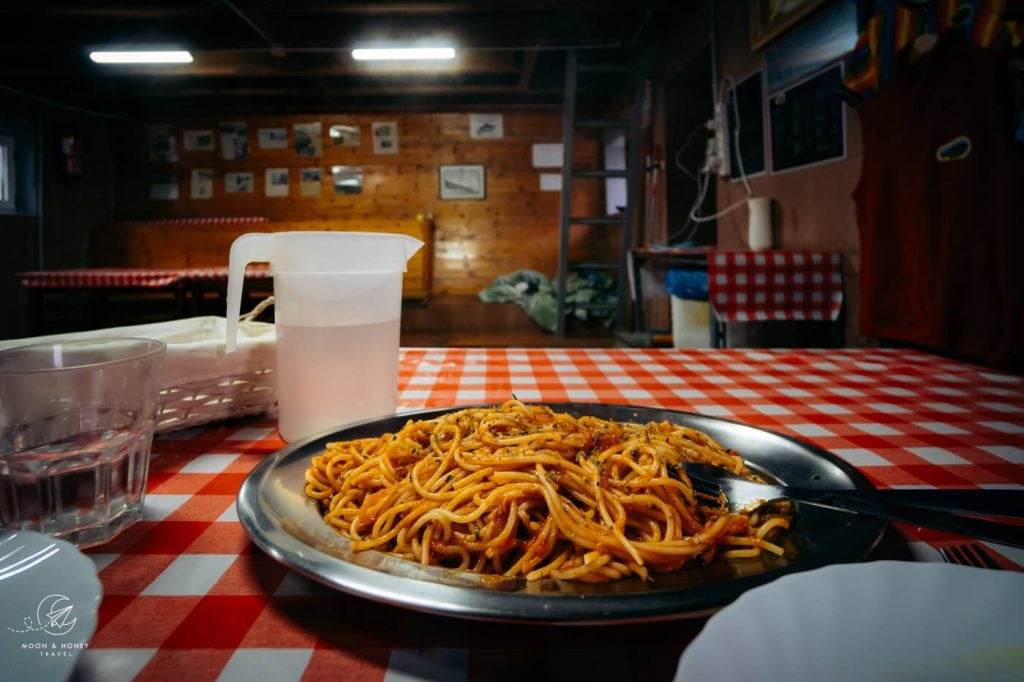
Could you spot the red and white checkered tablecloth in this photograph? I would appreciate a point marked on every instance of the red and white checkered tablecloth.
(89, 278)
(179, 222)
(252, 271)
(99, 278)
(188, 596)
(745, 286)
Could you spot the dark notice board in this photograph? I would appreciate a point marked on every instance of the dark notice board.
(748, 105)
(808, 123)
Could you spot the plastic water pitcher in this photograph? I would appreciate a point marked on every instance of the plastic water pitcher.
(337, 308)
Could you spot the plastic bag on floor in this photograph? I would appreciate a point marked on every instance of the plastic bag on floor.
(535, 293)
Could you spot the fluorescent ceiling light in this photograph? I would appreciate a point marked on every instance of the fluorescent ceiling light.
(142, 57)
(402, 53)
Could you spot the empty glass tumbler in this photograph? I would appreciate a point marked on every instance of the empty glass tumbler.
(76, 429)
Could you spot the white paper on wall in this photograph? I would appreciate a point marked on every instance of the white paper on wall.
(547, 155)
(551, 182)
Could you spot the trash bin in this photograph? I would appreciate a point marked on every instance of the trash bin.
(691, 314)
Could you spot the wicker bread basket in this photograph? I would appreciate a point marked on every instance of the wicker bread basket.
(200, 383)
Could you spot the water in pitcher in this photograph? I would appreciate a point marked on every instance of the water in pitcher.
(360, 383)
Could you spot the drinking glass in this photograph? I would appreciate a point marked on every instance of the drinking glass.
(76, 429)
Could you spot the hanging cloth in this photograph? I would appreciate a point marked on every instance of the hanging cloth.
(940, 207)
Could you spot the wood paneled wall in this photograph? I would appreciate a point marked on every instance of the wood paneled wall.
(208, 244)
(515, 226)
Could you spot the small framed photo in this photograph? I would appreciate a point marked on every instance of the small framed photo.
(273, 138)
(486, 126)
(309, 182)
(385, 137)
(463, 182)
(197, 140)
(345, 136)
(238, 183)
(276, 184)
(347, 179)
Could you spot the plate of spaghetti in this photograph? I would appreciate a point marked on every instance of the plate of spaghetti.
(560, 513)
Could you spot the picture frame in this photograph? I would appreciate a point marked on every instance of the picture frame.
(385, 137)
(463, 181)
(308, 139)
(273, 138)
(162, 148)
(309, 182)
(345, 135)
(197, 140)
(201, 183)
(234, 140)
(486, 126)
(276, 182)
(771, 18)
(347, 179)
(239, 183)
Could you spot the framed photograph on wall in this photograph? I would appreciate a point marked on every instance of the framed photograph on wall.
(345, 136)
(771, 18)
(201, 183)
(273, 138)
(234, 140)
(239, 183)
(309, 182)
(385, 137)
(309, 139)
(463, 182)
(276, 182)
(161, 144)
(197, 140)
(486, 126)
(347, 179)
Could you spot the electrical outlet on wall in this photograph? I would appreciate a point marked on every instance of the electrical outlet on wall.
(715, 160)
(717, 124)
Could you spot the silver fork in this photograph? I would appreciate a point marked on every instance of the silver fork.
(968, 554)
(931, 509)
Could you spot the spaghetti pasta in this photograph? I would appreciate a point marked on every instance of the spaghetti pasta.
(522, 490)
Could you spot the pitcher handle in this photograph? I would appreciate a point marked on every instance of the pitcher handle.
(253, 247)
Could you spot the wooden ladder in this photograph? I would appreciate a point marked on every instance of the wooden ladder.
(623, 220)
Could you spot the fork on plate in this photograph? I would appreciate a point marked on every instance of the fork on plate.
(938, 509)
(968, 554)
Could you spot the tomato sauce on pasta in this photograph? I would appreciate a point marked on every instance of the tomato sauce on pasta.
(523, 491)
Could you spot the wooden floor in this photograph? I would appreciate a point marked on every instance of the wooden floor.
(466, 321)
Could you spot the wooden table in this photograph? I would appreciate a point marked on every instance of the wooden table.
(756, 286)
(188, 596)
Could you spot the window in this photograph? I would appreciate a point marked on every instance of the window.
(6, 173)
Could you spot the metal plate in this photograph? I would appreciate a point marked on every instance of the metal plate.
(280, 519)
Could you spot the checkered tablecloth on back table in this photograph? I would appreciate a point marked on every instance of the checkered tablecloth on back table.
(150, 278)
(775, 285)
(87, 278)
(188, 596)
